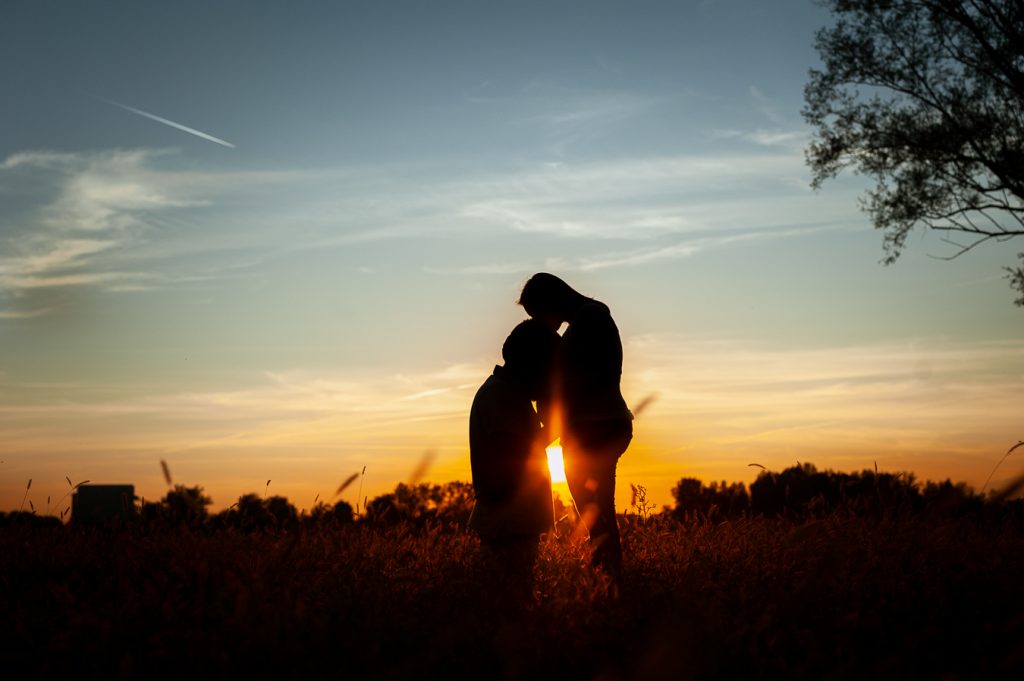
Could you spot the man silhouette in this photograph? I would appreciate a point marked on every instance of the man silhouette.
(507, 458)
(597, 425)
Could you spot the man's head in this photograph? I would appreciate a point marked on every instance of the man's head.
(529, 353)
(550, 300)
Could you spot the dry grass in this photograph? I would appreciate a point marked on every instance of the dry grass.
(839, 597)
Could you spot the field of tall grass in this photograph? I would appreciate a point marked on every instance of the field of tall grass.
(833, 596)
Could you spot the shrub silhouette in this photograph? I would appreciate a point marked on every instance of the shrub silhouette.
(953, 499)
(182, 506)
(29, 519)
(802, 491)
(187, 505)
(792, 491)
(324, 514)
(285, 515)
(254, 513)
(422, 504)
(717, 499)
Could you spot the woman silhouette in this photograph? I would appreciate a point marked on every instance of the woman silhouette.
(597, 426)
(506, 452)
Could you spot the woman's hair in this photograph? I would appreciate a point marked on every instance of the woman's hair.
(531, 346)
(545, 292)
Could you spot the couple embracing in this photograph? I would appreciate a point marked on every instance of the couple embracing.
(574, 381)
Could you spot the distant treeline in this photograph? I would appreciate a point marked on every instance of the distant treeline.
(799, 492)
(802, 491)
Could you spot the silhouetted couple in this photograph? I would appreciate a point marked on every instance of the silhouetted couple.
(574, 380)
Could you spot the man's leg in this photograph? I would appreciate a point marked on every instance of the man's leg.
(582, 484)
(591, 481)
(604, 535)
(590, 473)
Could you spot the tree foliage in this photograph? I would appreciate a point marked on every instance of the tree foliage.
(925, 97)
(183, 505)
(251, 513)
(694, 496)
(423, 503)
(802, 492)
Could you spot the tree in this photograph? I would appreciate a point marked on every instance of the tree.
(285, 515)
(926, 97)
(251, 512)
(721, 499)
(324, 514)
(450, 503)
(186, 505)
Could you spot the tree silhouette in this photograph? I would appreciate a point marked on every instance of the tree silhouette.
(926, 98)
(186, 506)
(339, 514)
(285, 515)
(715, 499)
(423, 503)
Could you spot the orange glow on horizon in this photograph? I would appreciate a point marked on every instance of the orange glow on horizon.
(555, 464)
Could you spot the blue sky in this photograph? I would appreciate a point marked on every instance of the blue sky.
(328, 293)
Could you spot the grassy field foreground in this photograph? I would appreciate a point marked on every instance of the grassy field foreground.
(835, 597)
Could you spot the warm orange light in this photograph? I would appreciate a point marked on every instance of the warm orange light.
(555, 464)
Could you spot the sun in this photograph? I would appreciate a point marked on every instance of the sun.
(555, 464)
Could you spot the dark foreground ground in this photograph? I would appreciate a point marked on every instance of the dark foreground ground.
(839, 597)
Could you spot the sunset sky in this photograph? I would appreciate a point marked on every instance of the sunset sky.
(315, 268)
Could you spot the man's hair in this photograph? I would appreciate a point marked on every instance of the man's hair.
(547, 293)
(531, 346)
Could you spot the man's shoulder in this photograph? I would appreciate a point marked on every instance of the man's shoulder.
(593, 315)
(594, 308)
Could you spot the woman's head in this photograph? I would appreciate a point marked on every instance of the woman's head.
(529, 352)
(549, 299)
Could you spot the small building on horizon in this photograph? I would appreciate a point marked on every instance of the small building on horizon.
(100, 504)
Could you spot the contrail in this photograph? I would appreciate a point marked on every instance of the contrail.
(179, 126)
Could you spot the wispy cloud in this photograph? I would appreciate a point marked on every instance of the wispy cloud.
(296, 425)
(607, 65)
(777, 137)
(53, 261)
(627, 200)
(37, 158)
(114, 281)
(97, 204)
(298, 408)
(923, 404)
(766, 106)
(570, 112)
(24, 314)
(676, 250)
(913, 403)
(61, 254)
(635, 198)
(567, 117)
(130, 220)
(97, 213)
(493, 268)
(687, 248)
